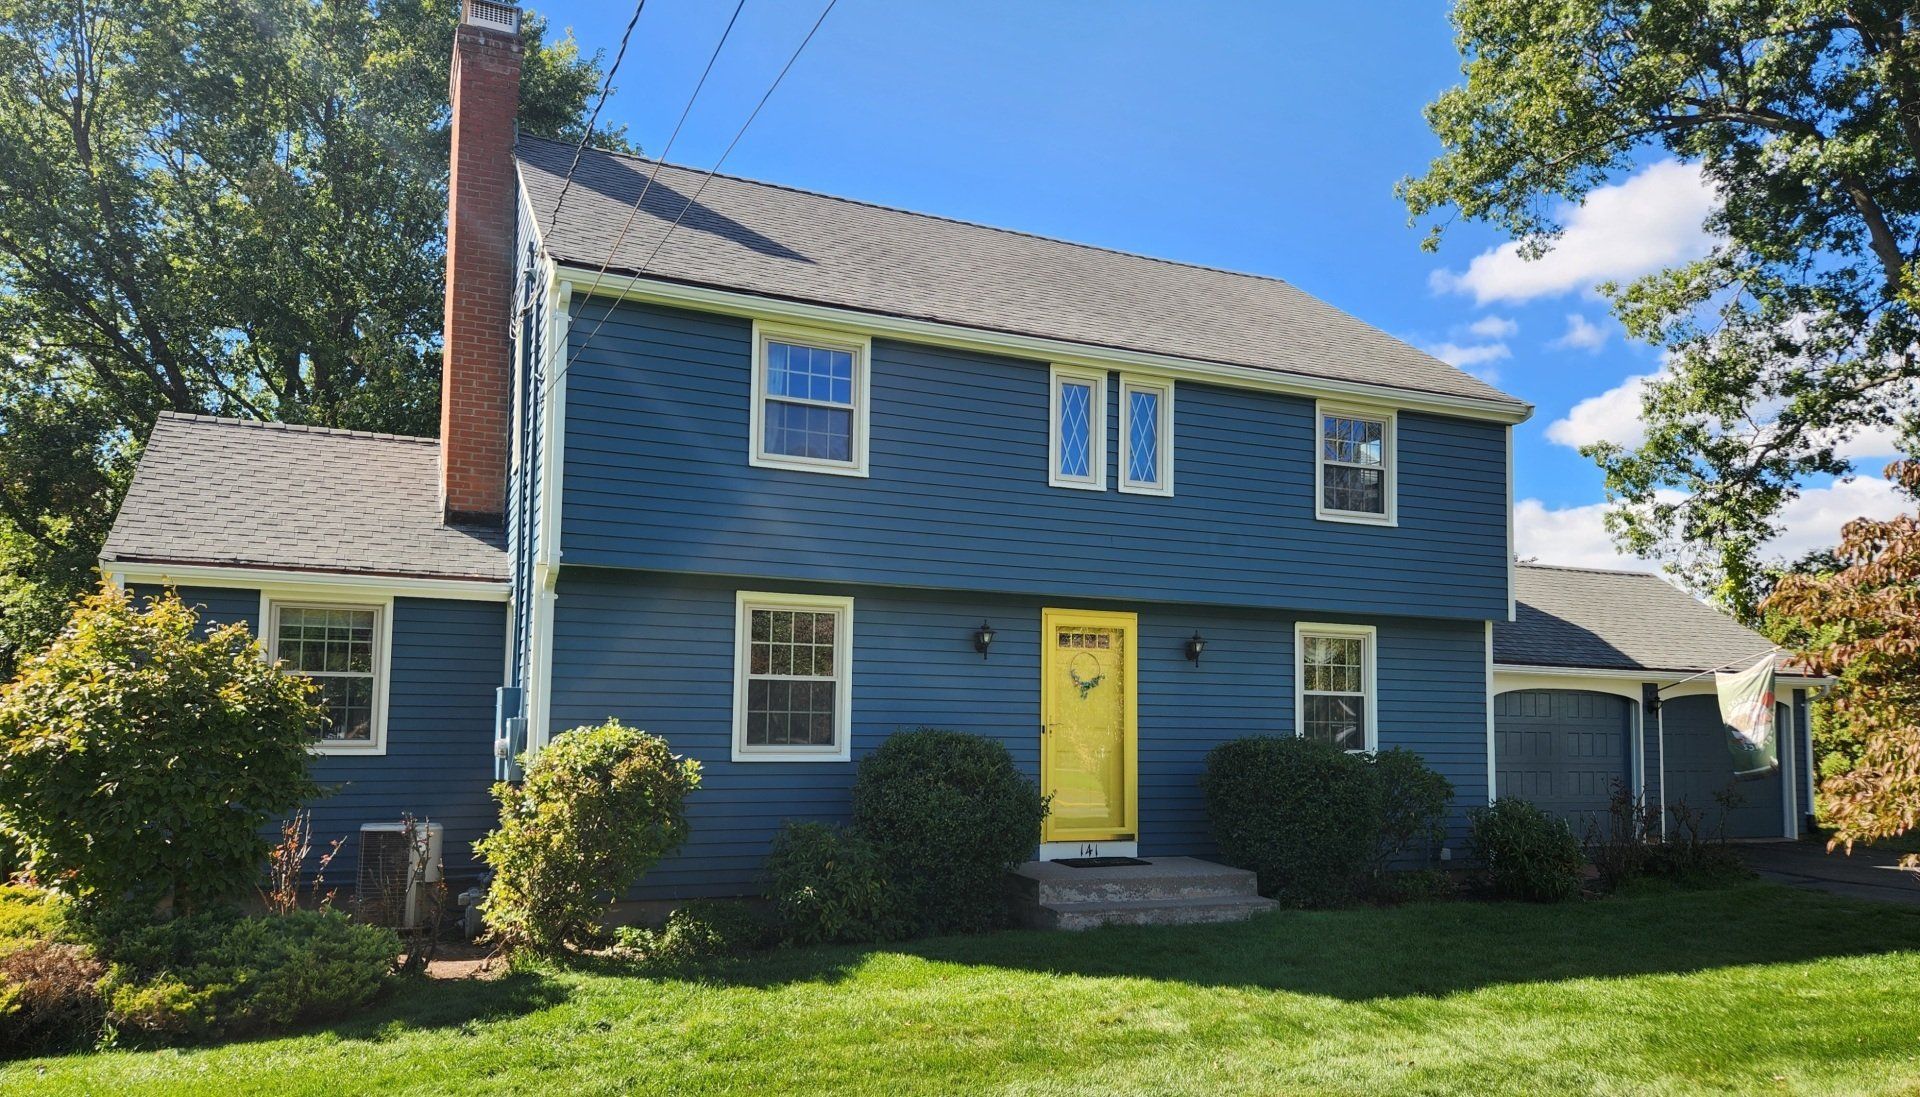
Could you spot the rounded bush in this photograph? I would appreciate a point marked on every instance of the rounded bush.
(144, 757)
(948, 814)
(701, 929)
(1304, 815)
(1528, 853)
(49, 997)
(1413, 806)
(598, 808)
(826, 884)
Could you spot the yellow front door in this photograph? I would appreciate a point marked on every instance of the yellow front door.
(1088, 761)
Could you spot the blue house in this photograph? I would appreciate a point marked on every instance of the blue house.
(774, 474)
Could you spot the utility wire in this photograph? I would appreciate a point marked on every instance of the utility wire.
(606, 88)
(692, 201)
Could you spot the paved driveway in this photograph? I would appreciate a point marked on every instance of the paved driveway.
(1866, 874)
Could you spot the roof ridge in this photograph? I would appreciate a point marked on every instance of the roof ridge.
(790, 188)
(1593, 570)
(296, 428)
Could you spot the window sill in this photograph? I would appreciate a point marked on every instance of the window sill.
(1354, 517)
(801, 464)
(740, 755)
(1164, 491)
(342, 750)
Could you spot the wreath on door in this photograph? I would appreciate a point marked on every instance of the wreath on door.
(1085, 684)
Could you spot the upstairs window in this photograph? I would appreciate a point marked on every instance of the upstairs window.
(792, 677)
(342, 650)
(809, 401)
(1334, 671)
(1354, 465)
(1078, 431)
(1146, 436)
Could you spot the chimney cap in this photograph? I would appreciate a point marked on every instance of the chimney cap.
(490, 15)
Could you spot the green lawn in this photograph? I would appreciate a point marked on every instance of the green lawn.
(1752, 988)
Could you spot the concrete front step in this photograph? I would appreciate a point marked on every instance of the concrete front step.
(1166, 891)
(1151, 912)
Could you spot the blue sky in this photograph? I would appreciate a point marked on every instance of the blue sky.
(1256, 137)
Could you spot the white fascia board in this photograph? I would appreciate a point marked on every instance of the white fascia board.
(123, 572)
(731, 302)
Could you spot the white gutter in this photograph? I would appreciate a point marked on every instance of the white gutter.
(122, 572)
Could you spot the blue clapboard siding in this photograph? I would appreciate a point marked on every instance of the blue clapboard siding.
(657, 651)
(656, 477)
(447, 658)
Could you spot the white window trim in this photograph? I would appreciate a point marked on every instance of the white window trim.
(1369, 667)
(744, 603)
(272, 600)
(1096, 427)
(861, 348)
(1389, 455)
(1163, 434)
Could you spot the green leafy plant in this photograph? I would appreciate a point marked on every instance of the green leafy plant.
(1528, 853)
(143, 759)
(1302, 814)
(701, 929)
(598, 808)
(29, 914)
(1413, 806)
(948, 813)
(827, 884)
(214, 974)
(1621, 846)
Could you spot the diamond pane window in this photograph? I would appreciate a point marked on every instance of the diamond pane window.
(1078, 431)
(1146, 436)
(1335, 691)
(792, 686)
(338, 648)
(808, 398)
(1354, 454)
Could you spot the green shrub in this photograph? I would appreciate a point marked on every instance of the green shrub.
(702, 929)
(948, 814)
(1413, 806)
(1528, 853)
(212, 974)
(598, 808)
(143, 759)
(826, 884)
(49, 997)
(1623, 846)
(29, 914)
(1304, 815)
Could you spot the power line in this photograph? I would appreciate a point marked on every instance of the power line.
(701, 189)
(606, 88)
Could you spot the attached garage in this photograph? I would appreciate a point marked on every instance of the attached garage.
(1607, 675)
(1562, 748)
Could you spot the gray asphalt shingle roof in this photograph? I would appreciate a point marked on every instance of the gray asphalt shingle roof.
(781, 242)
(228, 492)
(1617, 620)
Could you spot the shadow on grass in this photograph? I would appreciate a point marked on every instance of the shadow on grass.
(419, 1004)
(1419, 950)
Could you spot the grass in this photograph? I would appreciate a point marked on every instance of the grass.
(1743, 989)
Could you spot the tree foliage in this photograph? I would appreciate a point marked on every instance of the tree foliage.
(1798, 330)
(235, 208)
(139, 758)
(1861, 623)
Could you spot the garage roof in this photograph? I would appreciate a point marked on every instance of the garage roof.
(1587, 618)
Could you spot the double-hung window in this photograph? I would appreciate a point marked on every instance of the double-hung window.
(809, 400)
(1146, 436)
(793, 678)
(342, 649)
(1334, 684)
(1354, 465)
(1078, 428)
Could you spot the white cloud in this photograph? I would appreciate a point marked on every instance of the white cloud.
(1651, 219)
(1472, 354)
(1577, 536)
(1493, 327)
(1613, 416)
(1581, 334)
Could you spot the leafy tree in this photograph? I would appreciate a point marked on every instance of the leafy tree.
(139, 757)
(1861, 622)
(222, 207)
(1799, 328)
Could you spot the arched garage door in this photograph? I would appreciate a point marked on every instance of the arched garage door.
(1699, 765)
(1561, 749)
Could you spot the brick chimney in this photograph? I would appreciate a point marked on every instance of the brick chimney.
(476, 363)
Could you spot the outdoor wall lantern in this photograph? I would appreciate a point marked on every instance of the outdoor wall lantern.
(983, 639)
(1195, 645)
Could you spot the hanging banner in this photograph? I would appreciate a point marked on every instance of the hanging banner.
(1746, 707)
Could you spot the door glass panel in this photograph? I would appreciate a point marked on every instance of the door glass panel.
(1086, 738)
